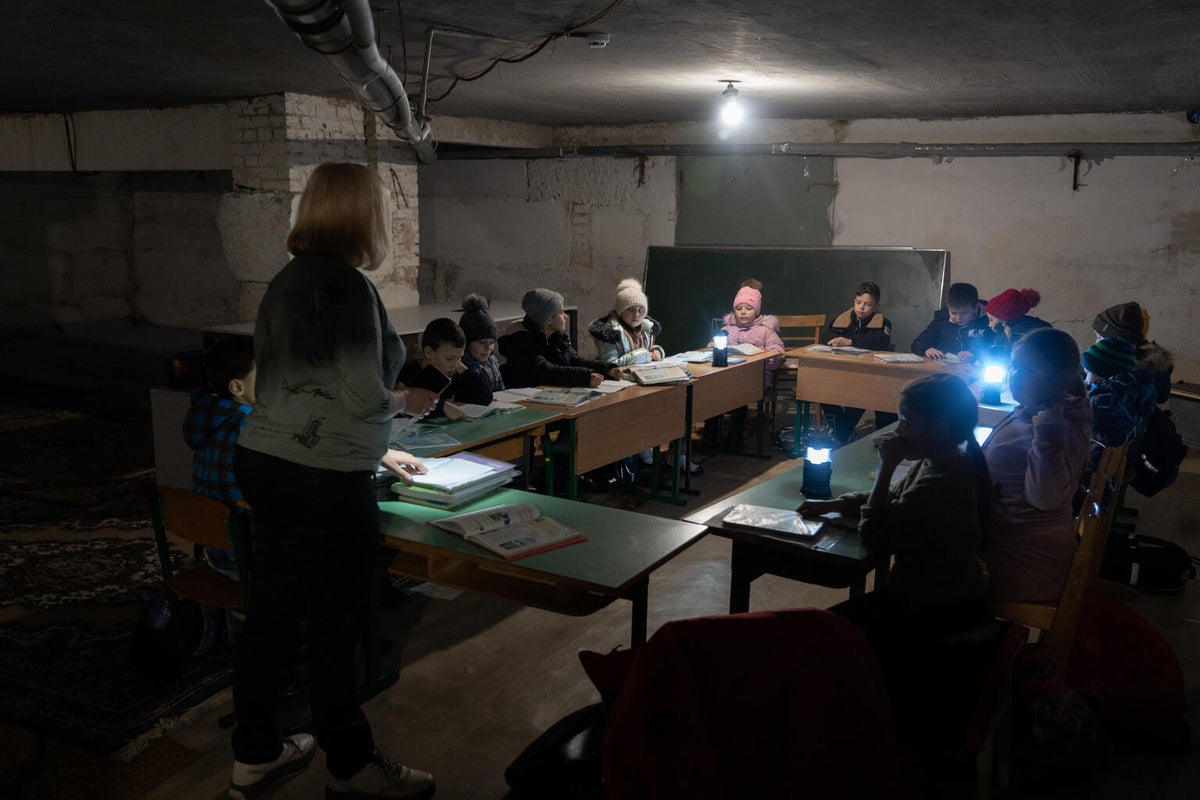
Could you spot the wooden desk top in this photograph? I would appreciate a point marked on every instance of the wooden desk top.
(634, 392)
(868, 361)
(623, 547)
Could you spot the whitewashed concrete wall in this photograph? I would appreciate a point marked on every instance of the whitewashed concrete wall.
(1132, 232)
(127, 240)
(574, 225)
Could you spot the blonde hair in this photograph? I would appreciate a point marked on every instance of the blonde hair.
(341, 215)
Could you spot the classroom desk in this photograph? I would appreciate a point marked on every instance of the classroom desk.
(505, 436)
(836, 559)
(617, 425)
(861, 381)
(622, 549)
(716, 390)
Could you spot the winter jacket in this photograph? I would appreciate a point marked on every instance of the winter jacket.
(1159, 364)
(762, 332)
(533, 359)
(996, 346)
(950, 338)
(481, 379)
(613, 342)
(1035, 456)
(875, 333)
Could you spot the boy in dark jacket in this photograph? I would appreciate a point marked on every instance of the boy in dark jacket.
(539, 353)
(956, 330)
(861, 326)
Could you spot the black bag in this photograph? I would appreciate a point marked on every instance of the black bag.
(1162, 567)
(1162, 451)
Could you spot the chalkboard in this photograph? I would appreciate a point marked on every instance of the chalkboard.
(689, 286)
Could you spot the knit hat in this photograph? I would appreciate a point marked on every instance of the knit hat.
(1109, 357)
(475, 321)
(1010, 305)
(629, 293)
(750, 296)
(540, 304)
(1124, 320)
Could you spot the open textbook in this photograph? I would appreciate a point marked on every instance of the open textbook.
(511, 531)
(844, 351)
(655, 374)
(901, 358)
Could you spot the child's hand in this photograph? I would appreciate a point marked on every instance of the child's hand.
(815, 508)
(965, 355)
(840, 341)
(615, 373)
(893, 448)
(595, 380)
(655, 355)
(403, 464)
(934, 354)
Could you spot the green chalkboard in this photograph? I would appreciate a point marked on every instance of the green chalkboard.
(689, 286)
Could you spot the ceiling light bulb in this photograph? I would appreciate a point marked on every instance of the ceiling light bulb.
(731, 112)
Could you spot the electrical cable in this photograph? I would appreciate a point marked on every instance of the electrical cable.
(528, 54)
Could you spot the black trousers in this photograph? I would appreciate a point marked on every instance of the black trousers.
(316, 536)
(845, 419)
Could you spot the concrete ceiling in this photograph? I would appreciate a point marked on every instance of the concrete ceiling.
(796, 58)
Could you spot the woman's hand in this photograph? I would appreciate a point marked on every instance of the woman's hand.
(840, 341)
(403, 464)
(815, 508)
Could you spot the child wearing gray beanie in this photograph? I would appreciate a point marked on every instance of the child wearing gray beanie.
(540, 352)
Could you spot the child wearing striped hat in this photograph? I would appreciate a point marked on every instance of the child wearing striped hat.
(1120, 394)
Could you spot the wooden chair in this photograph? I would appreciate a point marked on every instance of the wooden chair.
(206, 521)
(1058, 620)
(796, 331)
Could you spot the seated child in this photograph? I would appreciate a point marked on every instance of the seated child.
(1009, 320)
(442, 346)
(539, 352)
(934, 520)
(482, 374)
(746, 324)
(1120, 395)
(1129, 321)
(625, 336)
(212, 425)
(863, 326)
(1036, 455)
(957, 329)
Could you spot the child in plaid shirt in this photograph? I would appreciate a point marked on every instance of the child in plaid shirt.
(211, 427)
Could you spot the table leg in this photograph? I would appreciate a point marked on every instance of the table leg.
(640, 598)
(687, 439)
(522, 481)
(742, 572)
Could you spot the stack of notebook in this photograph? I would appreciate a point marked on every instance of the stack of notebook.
(455, 480)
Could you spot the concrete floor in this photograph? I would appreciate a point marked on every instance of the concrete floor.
(480, 678)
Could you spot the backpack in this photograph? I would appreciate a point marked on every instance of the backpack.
(1153, 565)
(1162, 451)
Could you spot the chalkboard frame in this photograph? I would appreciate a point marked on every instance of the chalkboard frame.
(690, 287)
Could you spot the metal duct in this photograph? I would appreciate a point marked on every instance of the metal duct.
(343, 32)
(1088, 151)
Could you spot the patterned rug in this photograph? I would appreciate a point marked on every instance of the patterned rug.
(77, 557)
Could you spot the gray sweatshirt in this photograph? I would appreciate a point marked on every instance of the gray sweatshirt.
(327, 358)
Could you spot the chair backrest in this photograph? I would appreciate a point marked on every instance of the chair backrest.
(801, 330)
(1060, 618)
(201, 520)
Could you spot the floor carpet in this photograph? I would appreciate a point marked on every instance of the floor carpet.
(78, 558)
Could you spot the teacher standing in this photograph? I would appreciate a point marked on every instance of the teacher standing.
(327, 360)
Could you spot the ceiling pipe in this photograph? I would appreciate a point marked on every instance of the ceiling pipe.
(1088, 151)
(343, 32)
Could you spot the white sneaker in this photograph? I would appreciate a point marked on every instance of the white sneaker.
(383, 777)
(252, 781)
